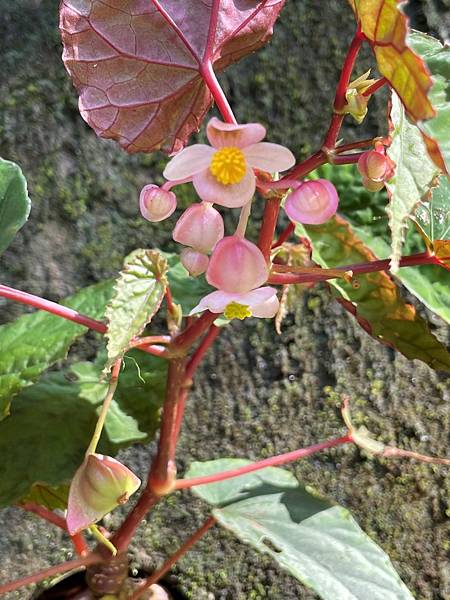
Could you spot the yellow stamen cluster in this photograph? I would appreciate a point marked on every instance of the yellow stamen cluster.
(234, 310)
(228, 165)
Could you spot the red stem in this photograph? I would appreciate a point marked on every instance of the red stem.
(284, 235)
(209, 77)
(191, 334)
(201, 351)
(346, 159)
(122, 538)
(269, 223)
(262, 464)
(302, 169)
(157, 575)
(56, 570)
(333, 131)
(413, 260)
(375, 87)
(346, 73)
(355, 145)
(52, 307)
(169, 300)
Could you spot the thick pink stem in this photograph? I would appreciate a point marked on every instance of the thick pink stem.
(281, 459)
(209, 76)
(52, 307)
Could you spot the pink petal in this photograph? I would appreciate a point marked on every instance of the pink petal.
(200, 227)
(234, 195)
(215, 302)
(269, 157)
(267, 309)
(156, 204)
(226, 134)
(193, 261)
(189, 161)
(263, 302)
(313, 202)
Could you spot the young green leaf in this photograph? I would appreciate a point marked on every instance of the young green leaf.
(375, 301)
(319, 544)
(34, 342)
(58, 415)
(15, 204)
(414, 175)
(386, 28)
(137, 296)
(436, 131)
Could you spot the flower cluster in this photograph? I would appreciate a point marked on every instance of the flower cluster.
(225, 173)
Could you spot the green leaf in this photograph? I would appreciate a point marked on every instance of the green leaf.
(436, 131)
(433, 217)
(319, 544)
(186, 290)
(376, 301)
(138, 293)
(413, 179)
(32, 343)
(366, 213)
(15, 204)
(57, 415)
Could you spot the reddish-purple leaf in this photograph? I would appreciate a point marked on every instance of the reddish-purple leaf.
(137, 63)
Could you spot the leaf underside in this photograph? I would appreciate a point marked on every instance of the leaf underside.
(319, 544)
(386, 28)
(375, 301)
(436, 131)
(136, 65)
(138, 293)
(414, 176)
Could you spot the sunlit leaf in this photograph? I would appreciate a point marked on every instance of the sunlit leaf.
(138, 293)
(373, 298)
(385, 26)
(414, 175)
(138, 65)
(317, 543)
(34, 342)
(15, 204)
(43, 440)
(436, 131)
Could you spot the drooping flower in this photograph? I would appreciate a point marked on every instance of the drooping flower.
(100, 484)
(375, 168)
(200, 227)
(223, 172)
(194, 261)
(262, 303)
(313, 202)
(156, 203)
(236, 266)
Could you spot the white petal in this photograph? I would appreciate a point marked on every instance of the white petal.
(269, 157)
(234, 195)
(215, 302)
(188, 162)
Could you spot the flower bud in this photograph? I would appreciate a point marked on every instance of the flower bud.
(375, 168)
(156, 203)
(237, 265)
(312, 203)
(356, 101)
(195, 262)
(200, 227)
(99, 486)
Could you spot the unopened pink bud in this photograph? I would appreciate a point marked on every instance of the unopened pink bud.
(312, 203)
(99, 486)
(195, 262)
(375, 168)
(237, 265)
(156, 203)
(200, 227)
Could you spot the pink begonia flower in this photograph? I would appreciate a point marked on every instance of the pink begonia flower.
(223, 172)
(200, 227)
(194, 261)
(156, 203)
(312, 203)
(237, 268)
(100, 484)
(262, 303)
